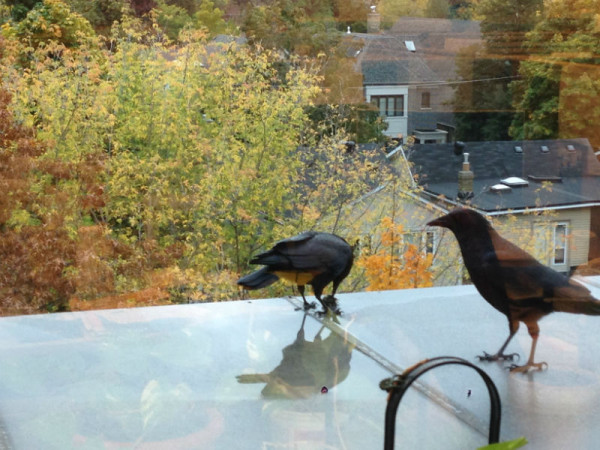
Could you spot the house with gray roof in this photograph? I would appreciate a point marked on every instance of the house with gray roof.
(409, 72)
(550, 190)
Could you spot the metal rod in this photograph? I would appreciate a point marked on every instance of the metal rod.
(398, 385)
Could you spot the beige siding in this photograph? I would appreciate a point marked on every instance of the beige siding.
(524, 230)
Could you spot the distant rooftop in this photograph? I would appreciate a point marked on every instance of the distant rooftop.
(415, 51)
(259, 374)
(568, 164)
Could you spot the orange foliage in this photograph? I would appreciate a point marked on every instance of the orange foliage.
(153, 296)
(48, 253)
(389, 269)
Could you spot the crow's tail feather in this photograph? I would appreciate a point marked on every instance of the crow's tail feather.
(259, 279)
(248, 378)
(588, 306)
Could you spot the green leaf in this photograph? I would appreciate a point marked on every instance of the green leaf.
(509, 445)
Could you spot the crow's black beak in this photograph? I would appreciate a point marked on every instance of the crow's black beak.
(439, 222)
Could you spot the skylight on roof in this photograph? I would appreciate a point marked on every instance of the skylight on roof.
(518, 149)
(571, 148)
(410, 45)
(544, 149)
(514, 182)
(500, 188)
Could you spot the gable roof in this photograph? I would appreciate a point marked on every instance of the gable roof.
(574, 173)
(385, 58)
(404, 70)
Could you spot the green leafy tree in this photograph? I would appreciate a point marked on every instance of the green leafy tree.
(484, 105)
(210, 17)
(437, 8)
(20, 8)
(171, 18)
(560, 78)
(302, 28)
(100, 13)
(392, 10)
(351, 13)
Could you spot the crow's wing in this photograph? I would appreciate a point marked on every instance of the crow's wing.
(524, 278)
(310, 251)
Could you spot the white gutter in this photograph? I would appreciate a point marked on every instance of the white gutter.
(518, 210)
(538, 209)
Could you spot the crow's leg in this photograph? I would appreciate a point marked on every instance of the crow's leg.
(332, 304)
(326, 308)
(306, 305)
(500, 353)
(534, 332)
(318, 292)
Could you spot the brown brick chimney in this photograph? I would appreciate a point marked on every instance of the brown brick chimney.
(465, 180)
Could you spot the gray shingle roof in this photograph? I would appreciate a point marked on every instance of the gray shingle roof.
(386, 60)
(399, 71)
(576, 173)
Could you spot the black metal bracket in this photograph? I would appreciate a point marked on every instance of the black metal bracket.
(397, 385)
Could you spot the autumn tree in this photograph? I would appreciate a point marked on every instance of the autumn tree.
(46, 206)
(172, 163)
(302, 28)
(51, 20)
(396, 263)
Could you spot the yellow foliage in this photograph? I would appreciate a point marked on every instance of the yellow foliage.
(387, 268)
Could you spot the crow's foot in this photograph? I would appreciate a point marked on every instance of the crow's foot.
(331, 302)
(529, 366)
(504, 357)
(306, 307)
(329, 311)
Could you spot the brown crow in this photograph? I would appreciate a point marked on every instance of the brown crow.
(512, 281)
(310, 258)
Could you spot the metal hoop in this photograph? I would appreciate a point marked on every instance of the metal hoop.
(397, 386)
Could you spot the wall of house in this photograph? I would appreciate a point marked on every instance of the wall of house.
(439, 111)
(440, 98)
(397, 126)
(537, 232)
(595, 234)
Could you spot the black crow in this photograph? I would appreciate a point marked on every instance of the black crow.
(307, 367)
(512, 281)
(311, 257)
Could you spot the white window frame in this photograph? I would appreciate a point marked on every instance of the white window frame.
(421, 238)
(565, 243)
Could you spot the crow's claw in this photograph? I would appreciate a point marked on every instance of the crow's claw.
(525, 368)
(330, 300)
(306, 307)
(504, 357)
(330, 311)
(510, 357)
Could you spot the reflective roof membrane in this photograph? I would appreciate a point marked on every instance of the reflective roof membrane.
(261, 374)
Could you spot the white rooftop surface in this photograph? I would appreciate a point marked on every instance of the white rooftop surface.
(169, 377)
